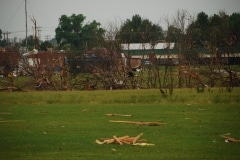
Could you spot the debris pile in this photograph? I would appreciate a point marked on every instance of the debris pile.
(125, 140)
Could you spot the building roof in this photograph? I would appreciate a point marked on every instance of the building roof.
(147, 46)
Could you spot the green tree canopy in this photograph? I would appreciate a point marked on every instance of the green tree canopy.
(1, 42)
(73, 31)
(218, 29)
(172, 34)
(138, 30)
(45, 45)
(30, 42)
(199, 29)
(235, 27)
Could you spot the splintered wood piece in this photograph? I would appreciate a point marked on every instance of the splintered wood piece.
(117, 140)
(137, 137)
(230, 139)
(126, 142)
(123, 137)
(105, 141)
(99, 142)
(108, 141)
(144, 144)
(130, 139)
(113, 114)
(138, 123)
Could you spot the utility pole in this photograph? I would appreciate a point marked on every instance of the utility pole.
(35, 31)
(38, 33)
(7, 37)
(4, 34)
(26, 22)
(47, 37)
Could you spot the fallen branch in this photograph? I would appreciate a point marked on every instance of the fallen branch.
(139, 123)
(230, 139)
(124, 115)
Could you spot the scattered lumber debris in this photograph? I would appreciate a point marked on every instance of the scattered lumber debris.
(113, 114)
(125, 140)
(139, 123)
(230, 139)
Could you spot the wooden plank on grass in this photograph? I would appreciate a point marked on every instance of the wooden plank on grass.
(114, 114)
(138, 123)
(117, 140)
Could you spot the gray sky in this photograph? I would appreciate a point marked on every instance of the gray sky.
(47, 12)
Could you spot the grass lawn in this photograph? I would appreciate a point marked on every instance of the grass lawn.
(50, 130)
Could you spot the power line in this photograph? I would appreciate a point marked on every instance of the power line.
(39, 32)
(47, 37)
(26, 21)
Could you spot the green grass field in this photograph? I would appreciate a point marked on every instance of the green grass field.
(65, 125)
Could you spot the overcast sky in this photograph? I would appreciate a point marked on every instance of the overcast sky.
(47, 12)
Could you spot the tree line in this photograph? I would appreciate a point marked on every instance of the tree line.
(210, 34)
(219, 29)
